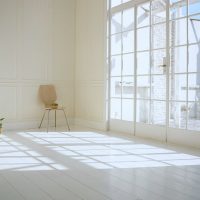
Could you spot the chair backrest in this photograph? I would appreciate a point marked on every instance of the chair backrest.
(47, 94)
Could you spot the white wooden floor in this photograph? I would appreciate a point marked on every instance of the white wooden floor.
(86, 165)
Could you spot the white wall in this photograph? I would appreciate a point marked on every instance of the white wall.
(90, 63)
(37, 40)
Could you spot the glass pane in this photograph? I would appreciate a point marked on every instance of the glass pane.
(143, 65)
(115, 65)
(178, 32)
(115, 3)
(178, 114)
(127, 109)
(128, 19)
(158, 62)
(158, 8)
(116, 23)
(178, 87)
(143, 15)
(178, 8)
(194, 116)
(128, 64)
(194, 58)
(143, 109)
(194, 7)
(128, 87)
(194, 29)
(158, 115)
(178, 60)
(143, 87)
(158, 87)
(128, 42)
(115, 44)
(159, 36)
(143, 39)
(115, 105)
(116, 87)
(194, 87)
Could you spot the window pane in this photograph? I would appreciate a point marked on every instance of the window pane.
(178, 32)
(178, 114)
(194, 116)
(128, 64)
(143, 109)
(128, 87)
(194, 58)
(115, 108)
(158, 115)
(194, 29)
(178, 60)
(178, 8)
(194, 7)
(194, 87)
(178, 87)
(158, 62)
(143, 15)
(143, 65)
(143, 87)
(115, 65)
(128, 42)
(128, 19)
(158, 8)
(127, 109)
(158, 87)
(116, 23)
(143, 39)
(116, 87)
(159, 36)
(115, 44)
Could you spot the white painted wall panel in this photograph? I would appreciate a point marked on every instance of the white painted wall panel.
(30, 103)
(35, 39)
(90, 66)
(8, 101)
(36, 47)
(8, 43)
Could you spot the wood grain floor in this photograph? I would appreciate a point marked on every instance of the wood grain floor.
(88, 165)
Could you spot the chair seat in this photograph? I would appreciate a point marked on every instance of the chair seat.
(58, 108)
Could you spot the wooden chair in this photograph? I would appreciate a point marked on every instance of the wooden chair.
(48, 96)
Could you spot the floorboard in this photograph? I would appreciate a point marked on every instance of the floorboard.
(91, 165)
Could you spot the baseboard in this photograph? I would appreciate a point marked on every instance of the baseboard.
(32, 124)
(99, 125)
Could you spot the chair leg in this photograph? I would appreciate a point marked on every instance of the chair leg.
(42, 119)
(48, 121)
(66, 119)
(55, 118)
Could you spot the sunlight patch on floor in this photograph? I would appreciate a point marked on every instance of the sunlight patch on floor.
(18, 157)
(104, 152)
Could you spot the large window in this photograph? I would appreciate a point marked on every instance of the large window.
(154, 57)
(184, 64)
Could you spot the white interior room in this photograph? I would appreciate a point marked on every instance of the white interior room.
(99, 99)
